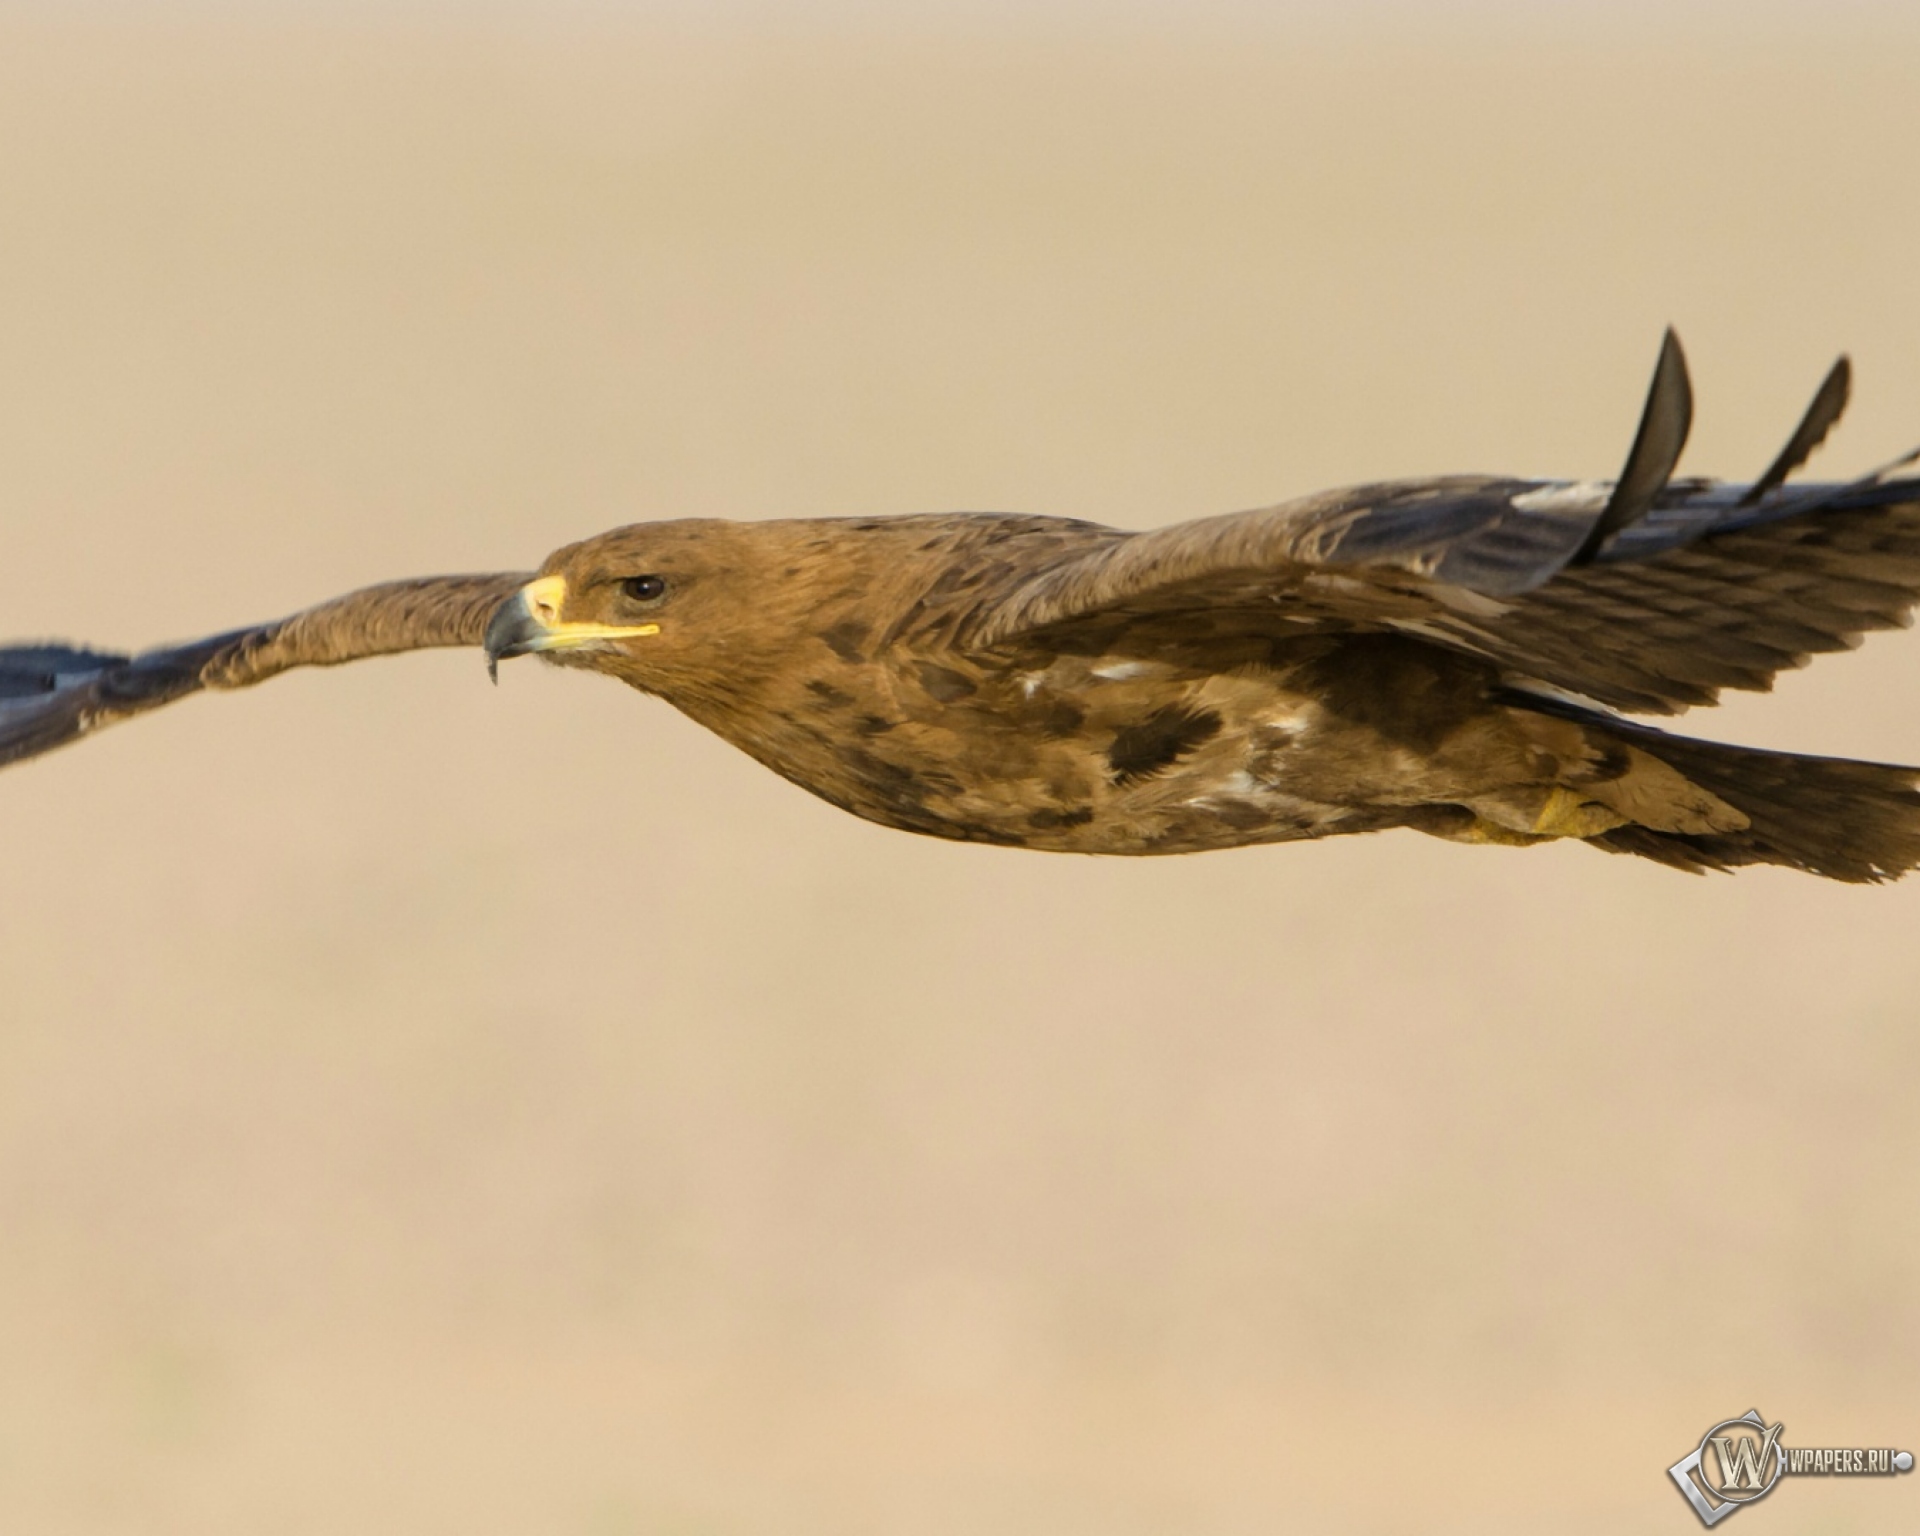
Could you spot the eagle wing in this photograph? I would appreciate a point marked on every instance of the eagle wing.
(1643, 593)
(51, 694)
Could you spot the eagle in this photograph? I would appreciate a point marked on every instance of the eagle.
(1456, 655)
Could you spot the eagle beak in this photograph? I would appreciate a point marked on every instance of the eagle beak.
(530, 621)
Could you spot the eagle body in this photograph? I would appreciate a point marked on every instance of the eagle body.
(1144, 737)
(1211, 748)
(1456, 655)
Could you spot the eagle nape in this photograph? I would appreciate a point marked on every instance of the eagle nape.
(1456, 655)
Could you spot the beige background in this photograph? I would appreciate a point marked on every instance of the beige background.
(432, 1108)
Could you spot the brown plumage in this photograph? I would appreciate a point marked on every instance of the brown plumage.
(1443, 654)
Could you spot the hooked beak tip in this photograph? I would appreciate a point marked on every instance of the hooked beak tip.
(514, 630)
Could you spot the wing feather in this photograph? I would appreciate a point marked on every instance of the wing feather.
(1645, 593)
(1703, 593)
(51, 694)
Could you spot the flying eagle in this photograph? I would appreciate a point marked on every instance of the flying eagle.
(1453, 655)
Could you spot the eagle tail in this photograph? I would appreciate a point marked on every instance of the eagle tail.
(1830, 816)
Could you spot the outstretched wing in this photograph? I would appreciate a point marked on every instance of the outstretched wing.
(51, 694)
(1643, 593)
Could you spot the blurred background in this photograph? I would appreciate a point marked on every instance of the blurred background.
(427, 1107)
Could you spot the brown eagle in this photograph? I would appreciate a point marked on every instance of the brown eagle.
(1450, 655)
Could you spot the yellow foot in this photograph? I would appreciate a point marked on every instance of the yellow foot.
(1568, 813)
(1480, 830)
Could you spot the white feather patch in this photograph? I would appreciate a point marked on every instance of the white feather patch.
(1566, 496)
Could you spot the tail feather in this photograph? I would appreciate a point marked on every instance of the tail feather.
(1830, 816)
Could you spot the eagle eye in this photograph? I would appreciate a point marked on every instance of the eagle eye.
(644, 589)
